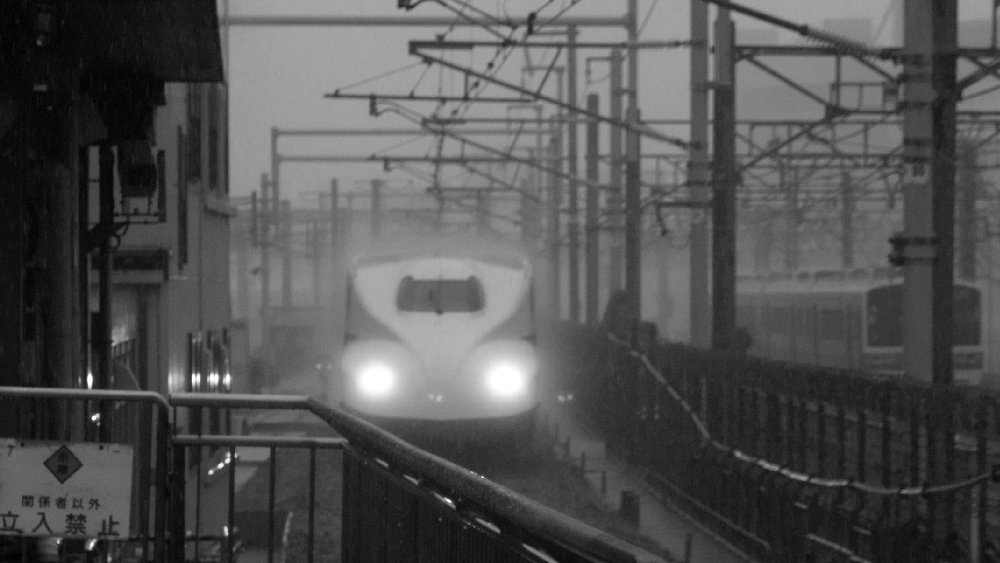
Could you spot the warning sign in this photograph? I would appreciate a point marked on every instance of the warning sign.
(65, 489)
(63, 464)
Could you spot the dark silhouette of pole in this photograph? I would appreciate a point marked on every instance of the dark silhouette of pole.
(846, 220)
(317, 234)
(614, 201)
(554, 230)
(264, 239)
(376, 208)
(700, 317)
(101, 336)
(927, 251)
(592, 211)
(633, 218)
(286, 253)
(572, 222)
(724, 183)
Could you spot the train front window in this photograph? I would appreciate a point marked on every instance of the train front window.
(885, 316)
(440, 295)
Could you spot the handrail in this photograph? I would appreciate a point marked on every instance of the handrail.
(473, 487)
(260, 441)
(461, 482)
(240, 401)
(89, 394)
(162, 407)
(465, 485)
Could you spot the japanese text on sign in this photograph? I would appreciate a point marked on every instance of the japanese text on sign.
(65, 489)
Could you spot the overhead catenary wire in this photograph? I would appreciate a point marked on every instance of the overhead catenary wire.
(379, 76)
(503, 52)
(645, 19)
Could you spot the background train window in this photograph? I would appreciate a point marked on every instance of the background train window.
(780, 320)
(440, 295)
(967, 316)
(885, 312)
(832, 324)
(806, 321)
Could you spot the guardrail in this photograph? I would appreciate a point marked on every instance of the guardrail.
(791, 462)
(144, 424)
(399, 502)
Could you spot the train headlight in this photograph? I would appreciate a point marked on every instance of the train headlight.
(376, 380)
(506, 380)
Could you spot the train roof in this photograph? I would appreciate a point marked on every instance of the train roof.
(824, 281)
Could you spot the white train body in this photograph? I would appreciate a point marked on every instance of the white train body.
(440, 338)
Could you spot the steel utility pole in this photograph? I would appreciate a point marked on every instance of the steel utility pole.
(614, 201)
(846, 220)
(789, 186)
(265, 258)
(317, 253)
(335, 234)
(553, 203)
(633, 217)
(275, 173)
(286, 253)
(102, 338)
(529, 212)
(376, 209)
(591, 227)
(724, 183)
(698, 179)
(929, 54)
(572, 223)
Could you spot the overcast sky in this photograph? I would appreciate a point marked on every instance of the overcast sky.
(278, 76)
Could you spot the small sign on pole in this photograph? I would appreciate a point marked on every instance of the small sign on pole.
(81, 490)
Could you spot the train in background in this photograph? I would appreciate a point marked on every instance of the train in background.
(850, 320)
(440, 342)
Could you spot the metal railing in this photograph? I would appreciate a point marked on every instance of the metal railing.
(790, 462)
(398, 502)
(74, 415)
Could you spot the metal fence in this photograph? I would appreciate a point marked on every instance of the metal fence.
(137, 418)
(795, 463)
(398, 503)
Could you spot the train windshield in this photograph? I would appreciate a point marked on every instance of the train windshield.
(885, 312)
(440, 295)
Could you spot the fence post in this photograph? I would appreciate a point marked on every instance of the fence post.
(163, 433)
(177, 485)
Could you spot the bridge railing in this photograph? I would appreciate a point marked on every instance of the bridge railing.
(398, 503)
(791, 462)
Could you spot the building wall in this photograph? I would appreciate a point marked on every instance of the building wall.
(165, 314)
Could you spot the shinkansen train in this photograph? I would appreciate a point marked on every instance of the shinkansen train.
(442, 343)
(849, 320)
